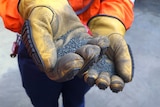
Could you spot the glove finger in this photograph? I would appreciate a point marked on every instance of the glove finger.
(90, 54)
(90, 76)
(101, 41)
(120, 54)
(105, 68)
(103, 80)
(89, 51)
(117, 84)
(67, 67)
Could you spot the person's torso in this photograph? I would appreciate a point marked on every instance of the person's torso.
(85, 8)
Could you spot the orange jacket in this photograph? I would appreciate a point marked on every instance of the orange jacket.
(121, 9)
(9, 13)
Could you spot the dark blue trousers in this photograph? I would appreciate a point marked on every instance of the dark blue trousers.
(44, 92)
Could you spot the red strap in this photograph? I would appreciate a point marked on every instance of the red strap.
(15, 46)
(88, 30)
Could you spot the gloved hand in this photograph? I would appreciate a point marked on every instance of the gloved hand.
(118, 52)
(52, 33)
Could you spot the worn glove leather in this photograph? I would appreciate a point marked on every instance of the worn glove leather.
(52, 33)
(118, 52)
(49, 27)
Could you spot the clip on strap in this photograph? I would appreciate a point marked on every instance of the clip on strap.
(85, 8)
(15, 46)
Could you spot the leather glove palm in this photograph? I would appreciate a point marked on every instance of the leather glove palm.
(118, 52)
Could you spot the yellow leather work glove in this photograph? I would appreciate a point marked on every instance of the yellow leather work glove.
(118, 52)
(52, 33)
(48, 29)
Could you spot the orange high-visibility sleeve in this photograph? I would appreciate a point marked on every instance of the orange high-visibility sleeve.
(121, 9)
(10, 16)
(90, 12)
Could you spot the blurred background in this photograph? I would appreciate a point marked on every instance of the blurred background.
(143, 91)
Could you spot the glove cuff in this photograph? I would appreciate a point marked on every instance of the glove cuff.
(105, 25)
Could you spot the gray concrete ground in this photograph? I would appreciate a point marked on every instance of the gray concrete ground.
(143, 91)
